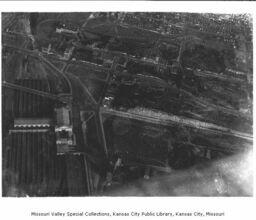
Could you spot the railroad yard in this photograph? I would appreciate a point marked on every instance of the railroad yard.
(115, 103)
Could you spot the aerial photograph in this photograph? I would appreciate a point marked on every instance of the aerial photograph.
(127, 104)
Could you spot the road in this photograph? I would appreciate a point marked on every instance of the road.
(173, 119)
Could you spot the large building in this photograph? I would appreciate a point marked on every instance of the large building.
(65, 137)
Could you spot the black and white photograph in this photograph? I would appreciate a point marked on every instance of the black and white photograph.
(116, 103)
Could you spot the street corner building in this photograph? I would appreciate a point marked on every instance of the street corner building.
(126, 104)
